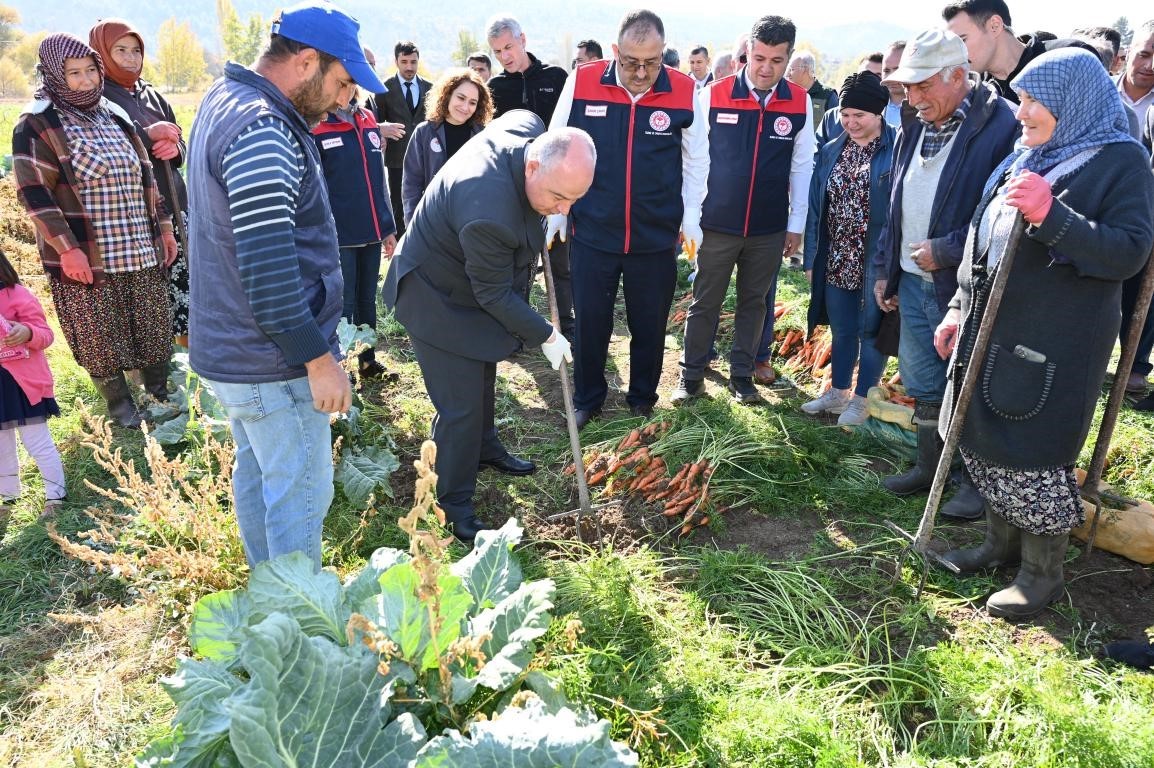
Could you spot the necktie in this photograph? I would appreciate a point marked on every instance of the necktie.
(409, 96)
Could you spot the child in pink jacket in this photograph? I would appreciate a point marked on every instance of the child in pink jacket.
(26, 395)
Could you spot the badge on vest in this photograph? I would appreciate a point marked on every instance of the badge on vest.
(659, 121)
(375, 139)
(333, 143)
(596, 110)
(727, 118)
(782, 126)
(435, 144)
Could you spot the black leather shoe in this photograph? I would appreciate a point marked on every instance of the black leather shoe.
(641, 410)
(583, 416)
(742, 389)
(509, 464)
(466, 530)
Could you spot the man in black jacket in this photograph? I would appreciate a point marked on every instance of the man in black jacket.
(457, 285)
(399, 109)
(525, 82)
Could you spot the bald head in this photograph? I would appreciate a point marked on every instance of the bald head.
(559, 169)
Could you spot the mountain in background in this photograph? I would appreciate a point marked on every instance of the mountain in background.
(552, 30)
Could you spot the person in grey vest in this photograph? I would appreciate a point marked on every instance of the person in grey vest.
(457, 284)
(265, 272)
(942, 158)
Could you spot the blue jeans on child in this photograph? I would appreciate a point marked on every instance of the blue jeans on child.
(853, 322)
(923, 371)
(282, 477)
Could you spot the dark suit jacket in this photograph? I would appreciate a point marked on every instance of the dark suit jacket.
(458, 278)
(391, 107)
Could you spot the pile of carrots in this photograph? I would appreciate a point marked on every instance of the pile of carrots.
(632, 469)
(811, 355)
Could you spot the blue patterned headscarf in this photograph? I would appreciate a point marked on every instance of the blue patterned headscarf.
(1074, 86)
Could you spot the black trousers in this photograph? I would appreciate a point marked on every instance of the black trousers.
(648, 281)
(395, 199)
(462, 391)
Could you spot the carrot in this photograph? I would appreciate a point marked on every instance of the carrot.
(695, 470)
(641, 454)
(598, 478)
(778, 311)
(704, 521)
(630, 440)
(721, 510)
(676, 507)
(570, 469)
(680, 474)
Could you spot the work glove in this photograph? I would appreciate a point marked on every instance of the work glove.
(691, 234)
(557, 349)
(1030, 194)
(556, 225)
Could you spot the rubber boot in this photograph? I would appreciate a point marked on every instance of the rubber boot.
(121, 408)
(156, 380)
(967, 504)
(921, 476)
(1002, 546)
(1040, 580)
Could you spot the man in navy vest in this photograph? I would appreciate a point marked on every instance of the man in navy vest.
(652, 162)
(266, 288)
(761, 146)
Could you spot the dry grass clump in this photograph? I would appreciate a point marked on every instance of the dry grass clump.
(174, 523)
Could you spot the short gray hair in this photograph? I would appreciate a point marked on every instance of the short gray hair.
(805, 60)
(499, 24)
(948, 72)
(552, 147)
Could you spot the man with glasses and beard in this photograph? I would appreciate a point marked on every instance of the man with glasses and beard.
(652, 160)
(266, 287)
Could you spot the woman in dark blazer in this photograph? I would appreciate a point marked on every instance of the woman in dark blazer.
(1084, 188)
(460, 105)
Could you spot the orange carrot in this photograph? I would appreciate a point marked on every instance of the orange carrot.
(640, 455)
(630, 440)
(570, 469)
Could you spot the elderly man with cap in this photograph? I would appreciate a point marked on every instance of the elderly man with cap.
(941, 162)
(265, 271)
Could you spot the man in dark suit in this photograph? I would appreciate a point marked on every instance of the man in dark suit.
(399, 109)
(457, 284)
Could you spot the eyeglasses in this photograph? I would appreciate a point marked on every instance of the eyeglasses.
(630, 64)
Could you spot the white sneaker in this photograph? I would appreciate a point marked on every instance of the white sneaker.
(833, 401)
(855, 413)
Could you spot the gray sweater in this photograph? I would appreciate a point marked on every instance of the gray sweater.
(1059, 316)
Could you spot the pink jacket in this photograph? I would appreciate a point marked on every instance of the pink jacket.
(18, 305)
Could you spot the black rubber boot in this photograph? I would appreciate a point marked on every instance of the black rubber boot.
(156, 380)
(1040, 580)
(967, 504)
(921, 476)
(121, 407)
(1002, 546)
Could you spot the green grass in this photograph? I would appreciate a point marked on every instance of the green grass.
(698, 656)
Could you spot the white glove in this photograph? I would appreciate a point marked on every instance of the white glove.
(557, 350)
(691, 233)
(556, 224)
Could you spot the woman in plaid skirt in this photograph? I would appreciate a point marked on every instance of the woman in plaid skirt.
(104, 237)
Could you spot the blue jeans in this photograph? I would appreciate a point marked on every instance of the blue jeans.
(923, 372)
(282, 477)
(361, 267)
(853, 322)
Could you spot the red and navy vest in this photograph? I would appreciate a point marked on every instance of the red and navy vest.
(635, 202)
(354, 165)
(750, 155)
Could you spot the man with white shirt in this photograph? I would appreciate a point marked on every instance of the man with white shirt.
(700, 68)
(760, 129)
(652, 160)
(399, 109)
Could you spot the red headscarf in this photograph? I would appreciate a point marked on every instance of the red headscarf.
(54, 49)
(102, 37)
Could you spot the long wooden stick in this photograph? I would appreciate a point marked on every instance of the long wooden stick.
(1090, 486)
(966, 393)
(586, 509)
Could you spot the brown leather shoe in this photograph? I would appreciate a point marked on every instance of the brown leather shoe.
(764, 373)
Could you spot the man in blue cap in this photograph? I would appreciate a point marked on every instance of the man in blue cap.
(265, 272)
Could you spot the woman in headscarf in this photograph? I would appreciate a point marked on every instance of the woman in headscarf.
(460, 105)
(104, 237)
(122, 49)
(1085, 190)
(848, 202)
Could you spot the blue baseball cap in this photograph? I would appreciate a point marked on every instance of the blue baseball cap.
(327, 28)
